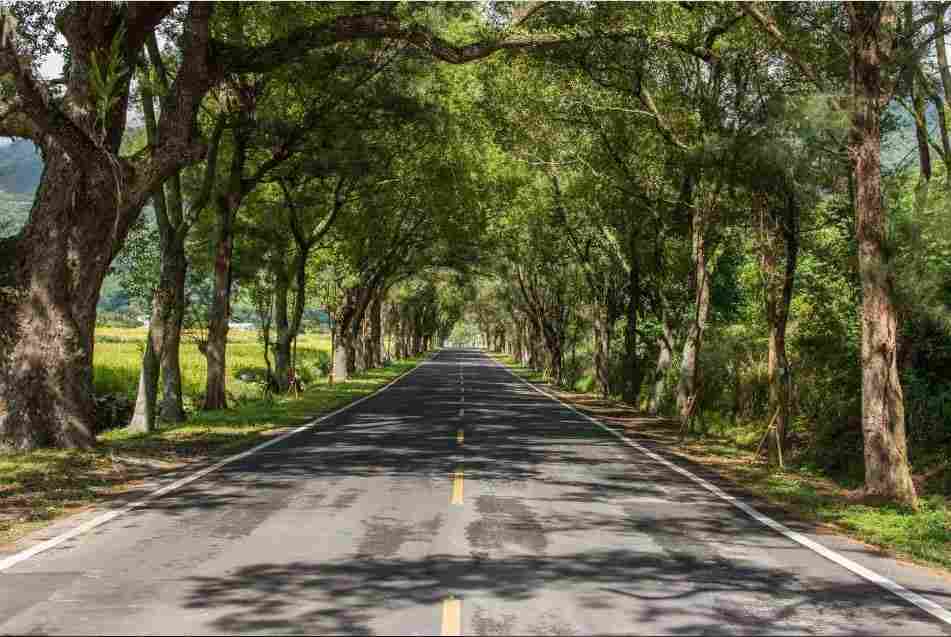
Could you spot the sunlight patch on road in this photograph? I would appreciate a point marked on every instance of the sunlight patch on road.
(451, 616)
(456, 488)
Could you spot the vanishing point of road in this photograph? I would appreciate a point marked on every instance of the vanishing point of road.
(457, 501)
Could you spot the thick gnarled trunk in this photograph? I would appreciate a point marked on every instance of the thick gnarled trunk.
(49, 288)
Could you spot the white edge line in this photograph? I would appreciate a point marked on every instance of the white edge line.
(99, 520)
(930, 607)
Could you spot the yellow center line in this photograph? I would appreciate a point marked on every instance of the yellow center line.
(456, 488)
(451, 616)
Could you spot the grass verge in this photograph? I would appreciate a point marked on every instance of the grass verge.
(922, 536)
(40, 486)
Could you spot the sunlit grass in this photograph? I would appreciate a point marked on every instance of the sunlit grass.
(118, 356)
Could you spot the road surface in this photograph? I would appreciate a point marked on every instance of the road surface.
(459, 500)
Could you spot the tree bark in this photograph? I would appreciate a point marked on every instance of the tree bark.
(143, 415)
(284, 335)
(48, 294)
(887, 473)
(168, 299)
(602, 349)
(779, 248)
(163, 343)
(633, 367)
(171, 408)
(220, 313)
(376, 331)
(665, 356)
(687, 386)
(347, 325)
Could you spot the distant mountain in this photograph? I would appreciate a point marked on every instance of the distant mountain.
(20, 169)
(899, 142)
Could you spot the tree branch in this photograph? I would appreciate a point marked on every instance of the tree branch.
(768, 25)
(33, 101)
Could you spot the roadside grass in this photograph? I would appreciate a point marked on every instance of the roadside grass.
(40, 486)
(922, 536)
(118, 357)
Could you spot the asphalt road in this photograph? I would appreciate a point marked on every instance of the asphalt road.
(458, 500)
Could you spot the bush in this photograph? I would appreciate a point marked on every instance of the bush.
(324, 363)
(113, 410)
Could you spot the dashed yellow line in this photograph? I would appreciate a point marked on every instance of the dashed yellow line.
(451, 616)
(456, 487)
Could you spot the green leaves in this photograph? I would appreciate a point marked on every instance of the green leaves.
(107, 75)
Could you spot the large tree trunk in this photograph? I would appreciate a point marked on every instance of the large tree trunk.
(226, 206)
(50, 277)
(220, 314)
(342, 349)
(143, 415)
(687, 386)
(525, 327)
(887, 472)
(535, 359)
(169, 298)
(347, 325)
(779, 242)
(171, 407)
(164, 337)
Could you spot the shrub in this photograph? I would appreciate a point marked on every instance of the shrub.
(113, 410)
(324, 363)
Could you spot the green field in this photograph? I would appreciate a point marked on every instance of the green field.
(118, 356)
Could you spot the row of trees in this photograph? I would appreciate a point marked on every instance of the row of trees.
(277, 164)
(678, 199)
(620, 176)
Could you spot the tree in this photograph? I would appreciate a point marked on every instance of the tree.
(872, 79)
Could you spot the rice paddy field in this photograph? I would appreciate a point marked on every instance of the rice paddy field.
(118, 356)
